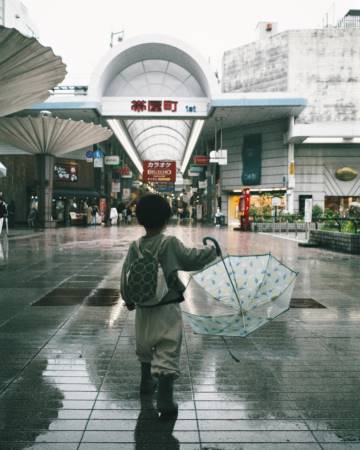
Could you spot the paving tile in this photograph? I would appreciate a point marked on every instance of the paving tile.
(129, 436)
(258, 436)
(299, 373)
(258, 446)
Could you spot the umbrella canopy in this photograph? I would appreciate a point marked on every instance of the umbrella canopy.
(2, 170)
(50, 135)
(27, 71)
(244, 292)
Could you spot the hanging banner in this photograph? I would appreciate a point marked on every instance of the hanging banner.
(251, 159)
(98, 163)
(164, 187)
(126, 194)
(198, 169)
(202, 184)
(112, 160)
(219, 157)
(159, 171)
(201, 160)
(102, 208)
(115, 186)
(89, 156)
(193, 174)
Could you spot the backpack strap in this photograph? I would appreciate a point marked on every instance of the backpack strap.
(140, 254)
(137, 248)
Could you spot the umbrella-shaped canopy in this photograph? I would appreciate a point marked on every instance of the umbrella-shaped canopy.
(243, 292)
(2, 170)
(27, 71)
(50, 135)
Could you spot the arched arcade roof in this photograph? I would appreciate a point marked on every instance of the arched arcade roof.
(147, 48)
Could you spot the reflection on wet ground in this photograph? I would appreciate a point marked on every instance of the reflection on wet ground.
(69, 378)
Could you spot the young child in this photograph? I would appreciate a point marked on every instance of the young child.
(158, 327)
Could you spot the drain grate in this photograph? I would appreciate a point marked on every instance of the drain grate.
(76, 296)
(103, 297)
(63, 297)
(305, 303)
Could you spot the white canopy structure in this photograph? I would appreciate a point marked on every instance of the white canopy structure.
(50, 135)
(27, 71)
(47, 137)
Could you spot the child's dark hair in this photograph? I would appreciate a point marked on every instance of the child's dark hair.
(153, 211)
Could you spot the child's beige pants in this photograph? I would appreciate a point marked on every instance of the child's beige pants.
(158, 338)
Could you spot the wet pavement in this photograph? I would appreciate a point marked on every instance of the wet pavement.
(69, 377)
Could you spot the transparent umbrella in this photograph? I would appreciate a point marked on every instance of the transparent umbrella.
(242, 292)
(2, 170)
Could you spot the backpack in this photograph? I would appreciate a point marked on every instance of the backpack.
(146, 283)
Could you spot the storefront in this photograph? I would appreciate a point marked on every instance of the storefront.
(261, 203)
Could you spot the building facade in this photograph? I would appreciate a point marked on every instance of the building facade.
(323, 66)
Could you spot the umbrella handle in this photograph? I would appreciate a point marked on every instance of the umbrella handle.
(216, 244)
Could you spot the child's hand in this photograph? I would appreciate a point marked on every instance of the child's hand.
(130, 306)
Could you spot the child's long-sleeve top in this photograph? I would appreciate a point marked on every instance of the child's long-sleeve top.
(173, 256)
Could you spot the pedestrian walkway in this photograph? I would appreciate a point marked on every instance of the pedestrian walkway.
(69, 378)
(298, 237)
(21, 233)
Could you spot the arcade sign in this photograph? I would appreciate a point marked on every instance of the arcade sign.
(201, 160)
(159, 171)
(112, 160)
(156, 106)
(219, 157)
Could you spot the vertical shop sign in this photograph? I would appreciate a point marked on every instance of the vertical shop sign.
(115, 186)
(102, 208)
(126, 193)
(251, 158)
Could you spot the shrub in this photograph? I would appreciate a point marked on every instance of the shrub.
(348, 227)
(317, 213)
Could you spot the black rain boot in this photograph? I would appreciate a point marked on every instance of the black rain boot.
(148, 383)
(166, 405)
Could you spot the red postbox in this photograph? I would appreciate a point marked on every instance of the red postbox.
(244, 207)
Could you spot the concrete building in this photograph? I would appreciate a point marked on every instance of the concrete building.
(323, 66)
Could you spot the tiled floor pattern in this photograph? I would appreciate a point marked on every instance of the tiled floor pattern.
(69, 377)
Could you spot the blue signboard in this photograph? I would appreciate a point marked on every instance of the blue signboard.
(98, 154)
(166, 187)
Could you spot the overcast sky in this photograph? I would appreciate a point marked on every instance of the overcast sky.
(79, 30)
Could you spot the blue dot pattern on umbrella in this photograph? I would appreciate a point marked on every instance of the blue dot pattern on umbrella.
(263, 285)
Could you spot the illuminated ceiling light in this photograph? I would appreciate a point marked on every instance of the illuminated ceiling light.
(123, 138)
(194, 136)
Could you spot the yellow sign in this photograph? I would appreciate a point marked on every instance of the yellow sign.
(292, 168)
